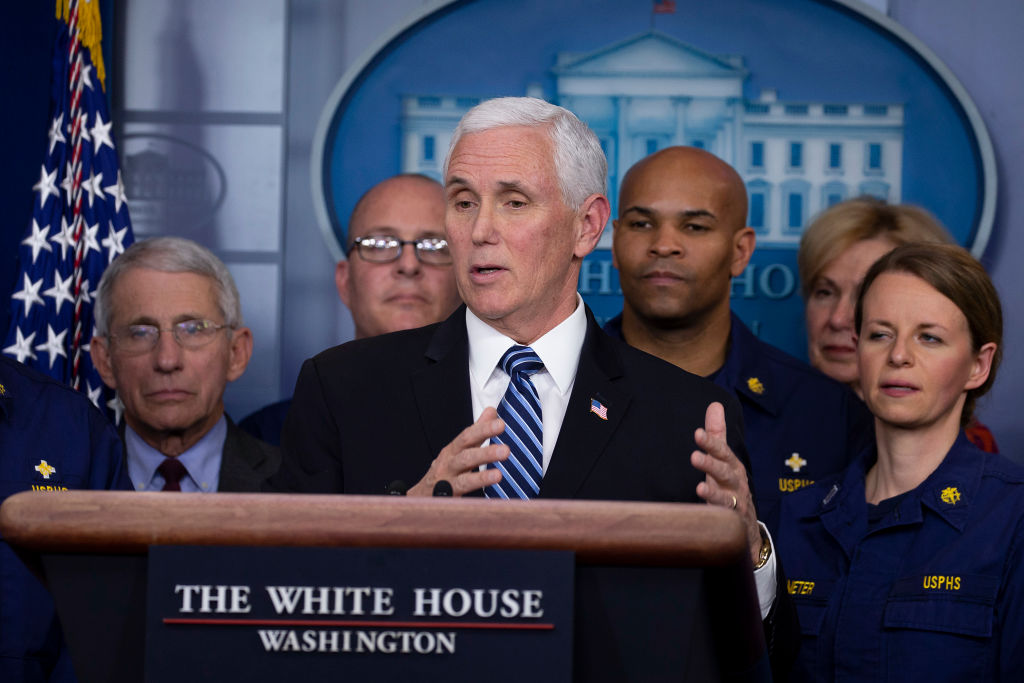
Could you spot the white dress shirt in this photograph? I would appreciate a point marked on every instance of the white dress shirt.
(559, 350)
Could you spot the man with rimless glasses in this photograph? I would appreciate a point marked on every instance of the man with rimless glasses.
(169, 337)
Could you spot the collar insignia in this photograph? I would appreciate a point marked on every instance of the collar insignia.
(795, 462)
(3, 390)
(950, 495)
(46, 469)
(754, 384)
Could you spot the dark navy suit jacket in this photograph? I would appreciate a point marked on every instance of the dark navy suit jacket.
(377, 410)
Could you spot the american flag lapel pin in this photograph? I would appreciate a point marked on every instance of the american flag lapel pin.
(599, 409)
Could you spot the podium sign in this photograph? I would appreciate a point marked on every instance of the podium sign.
(271, 614)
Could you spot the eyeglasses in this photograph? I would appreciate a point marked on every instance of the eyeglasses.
(385, 249)
(190, 334)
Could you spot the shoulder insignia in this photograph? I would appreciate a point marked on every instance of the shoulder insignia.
(754, 384)
(795, 462)
(950, 495)
(3, 390)
(46, 469)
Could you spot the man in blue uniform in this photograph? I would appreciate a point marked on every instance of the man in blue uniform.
(680, 238)
(51, 440)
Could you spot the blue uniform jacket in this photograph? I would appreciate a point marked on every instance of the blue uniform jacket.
(800, 425)
(933, 592)
(51, 440)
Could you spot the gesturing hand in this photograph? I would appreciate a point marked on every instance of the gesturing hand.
(459, 462)
(726, 480)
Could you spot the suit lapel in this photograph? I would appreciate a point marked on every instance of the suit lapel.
(441, 389)
(584, 435)
(239, 462)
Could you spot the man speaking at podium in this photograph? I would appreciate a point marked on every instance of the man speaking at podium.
(561, 410)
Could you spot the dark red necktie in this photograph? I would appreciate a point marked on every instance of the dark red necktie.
(172, 471)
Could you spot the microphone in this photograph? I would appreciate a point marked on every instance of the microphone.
(397, 488)
(442, 489)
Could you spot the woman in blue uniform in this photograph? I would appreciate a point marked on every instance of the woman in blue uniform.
(910, 564)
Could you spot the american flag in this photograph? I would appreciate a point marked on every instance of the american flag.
(79, 215)
(598, 409)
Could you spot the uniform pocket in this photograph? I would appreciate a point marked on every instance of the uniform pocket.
(941, 626)
(811, 601)
(961, 604)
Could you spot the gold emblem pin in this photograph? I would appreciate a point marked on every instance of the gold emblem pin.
(754, 384)
(795, 462)
(950, 495)
(46, 469)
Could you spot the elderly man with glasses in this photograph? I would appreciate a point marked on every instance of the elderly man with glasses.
(169, 337)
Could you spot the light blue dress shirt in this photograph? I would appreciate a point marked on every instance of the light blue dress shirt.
(202, 461)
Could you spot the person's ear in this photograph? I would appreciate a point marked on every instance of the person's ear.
(99, 350)
(593, 217)
(981, 367)
(241, 352)
(341, 281)
(743, 243)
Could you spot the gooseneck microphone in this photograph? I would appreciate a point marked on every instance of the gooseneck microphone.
(442, 489)
(397, 488)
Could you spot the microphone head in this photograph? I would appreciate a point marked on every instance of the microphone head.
(397, 488)
(442, 489)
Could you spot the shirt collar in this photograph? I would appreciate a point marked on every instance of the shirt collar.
(948, 491)
(952, 487)
(201, 461)
(559, 349)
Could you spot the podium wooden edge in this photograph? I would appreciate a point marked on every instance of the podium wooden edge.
(599, 532)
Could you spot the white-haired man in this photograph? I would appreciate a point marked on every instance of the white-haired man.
(169, 338)
(562, 410)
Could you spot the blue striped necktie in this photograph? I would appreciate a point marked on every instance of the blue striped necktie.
(524, 431)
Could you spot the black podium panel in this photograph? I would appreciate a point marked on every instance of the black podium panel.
(631, 623)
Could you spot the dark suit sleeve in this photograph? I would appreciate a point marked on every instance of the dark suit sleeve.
(310, 441)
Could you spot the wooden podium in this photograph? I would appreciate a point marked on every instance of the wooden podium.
(662, 591)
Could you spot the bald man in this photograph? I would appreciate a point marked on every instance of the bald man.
(680, 238)
(397, 274)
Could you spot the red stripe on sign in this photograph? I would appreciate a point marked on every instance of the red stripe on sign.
(369, 624)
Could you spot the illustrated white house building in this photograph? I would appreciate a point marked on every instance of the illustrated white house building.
(652, 91)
